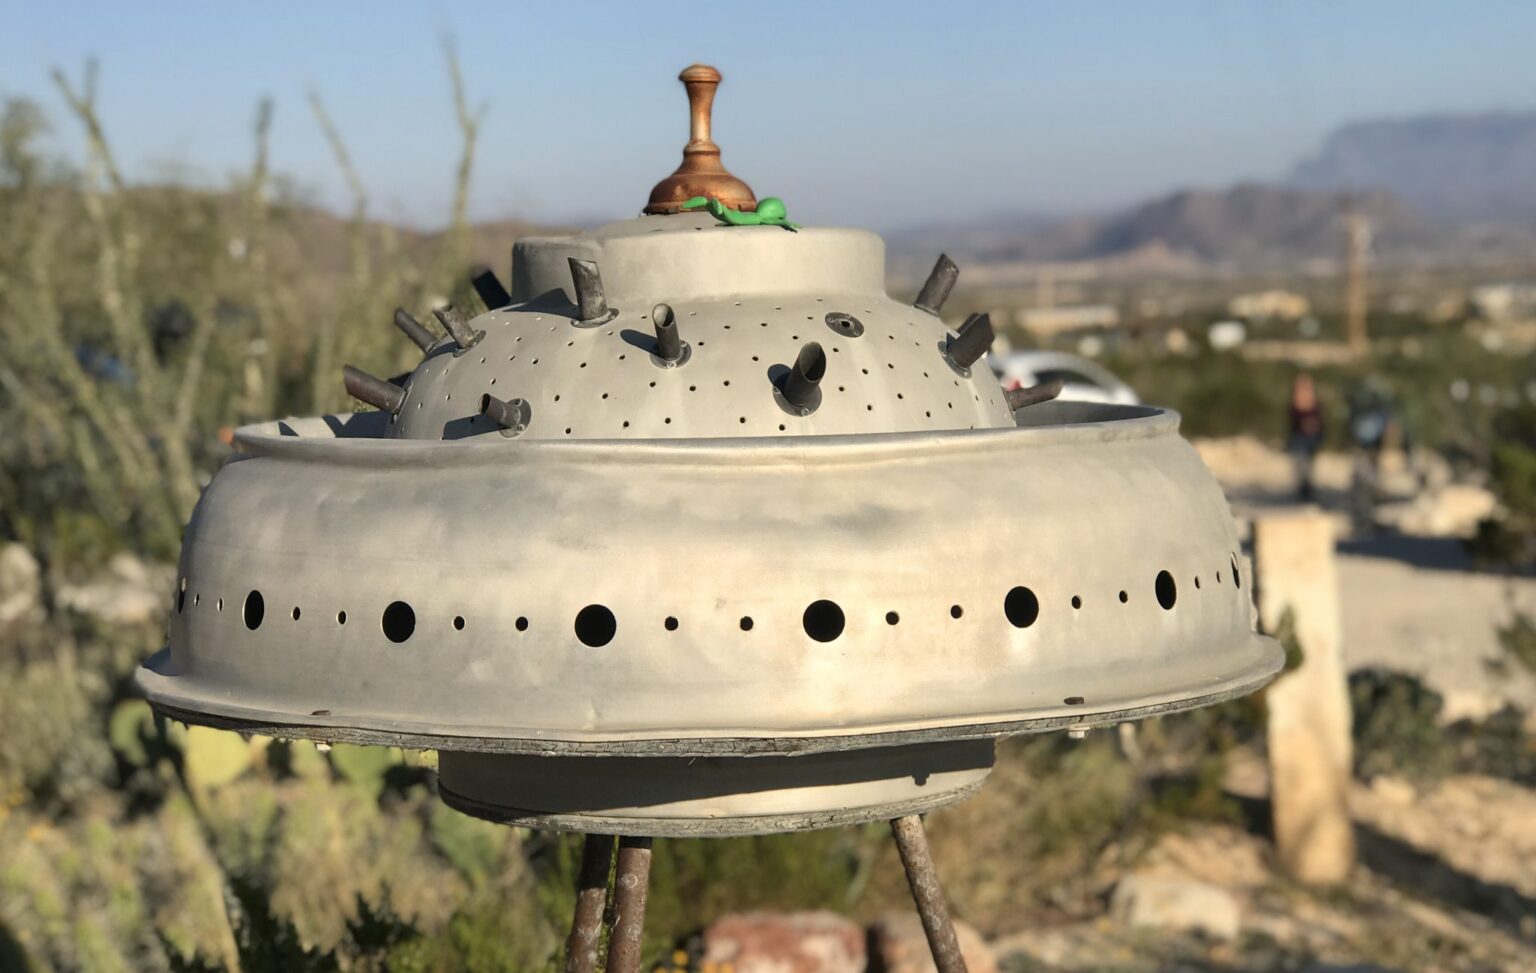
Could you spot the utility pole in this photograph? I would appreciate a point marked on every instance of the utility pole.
(1357, 243)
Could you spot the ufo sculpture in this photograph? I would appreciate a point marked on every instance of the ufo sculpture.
(696, 531)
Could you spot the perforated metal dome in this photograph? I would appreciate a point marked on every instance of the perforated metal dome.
(699, 531)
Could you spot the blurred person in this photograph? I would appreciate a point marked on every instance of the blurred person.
(1373, 427)
(1306, 435)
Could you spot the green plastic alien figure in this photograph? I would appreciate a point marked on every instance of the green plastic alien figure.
(770, 212)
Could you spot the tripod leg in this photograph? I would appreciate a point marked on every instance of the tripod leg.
(591, 895)
(912, 842)
(630, 884)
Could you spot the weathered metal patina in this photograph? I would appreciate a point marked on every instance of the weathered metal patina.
(698, 531)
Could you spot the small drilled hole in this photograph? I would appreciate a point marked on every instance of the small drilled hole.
(1124, 597)
(1167, 591)
(670, 624)
(1077, 602)
(891, 618)
(522, 624)
(1197, 581)
(398, 621)
(955, 611)
(341, 618)
(596, 626)
(823, 620)
(295, 612)
(1021, 606)
(1073, 701)
(254, 611)
(458, 623)
(746, 623)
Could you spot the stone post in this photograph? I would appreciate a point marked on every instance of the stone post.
(1310, 750)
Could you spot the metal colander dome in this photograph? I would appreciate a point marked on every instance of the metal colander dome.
(697, 530)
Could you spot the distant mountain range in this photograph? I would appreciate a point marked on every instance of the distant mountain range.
(1454, 168)
(1431, 187)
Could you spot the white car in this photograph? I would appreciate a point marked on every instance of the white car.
(1082, 380)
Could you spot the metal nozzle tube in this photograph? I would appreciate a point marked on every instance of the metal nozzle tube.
(414, 330)
(800, 384)
(488, 286)
(373, 390)
(941, 280)
(458, 329)
(591, 303)
(1034, 395)
(971, 342)
(669, 343)
(512, 415)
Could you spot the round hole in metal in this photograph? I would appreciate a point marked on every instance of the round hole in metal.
(1077, 602)
(1167, 591)
(1021, 606)
(746, 623)
(341, 618)
(522, 624)
(823, 620)
(891, 618)
(253, 612)
(296, 613)
(670, 624)
(1124, 597)
(596, 626)
(955, 611)
(398, 621)
(844, 324)
(458, 623)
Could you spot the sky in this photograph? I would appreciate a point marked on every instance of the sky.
(882, 115)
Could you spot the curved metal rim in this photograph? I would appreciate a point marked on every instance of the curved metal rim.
(710, 746)
(723, 827)
(1116, 423)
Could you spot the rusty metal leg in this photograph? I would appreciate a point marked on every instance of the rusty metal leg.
(631, 881)
(912, 842)
(591, 896)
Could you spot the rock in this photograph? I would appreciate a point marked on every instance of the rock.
(21, 585)
(132, 593)
(1150, 902)
(899, 946)
(793, 942)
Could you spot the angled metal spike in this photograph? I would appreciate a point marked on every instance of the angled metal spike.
(373, 390)
(591, 303)
(801, 386)
(512, 415)
(414, 330)
(941, 280)
(458, 329)
(970, 342)
(489, 287)
(1034, 395)
(669, 343)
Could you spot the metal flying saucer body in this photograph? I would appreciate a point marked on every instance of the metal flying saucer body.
(698, 531)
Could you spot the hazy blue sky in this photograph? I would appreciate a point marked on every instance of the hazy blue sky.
(878, 115)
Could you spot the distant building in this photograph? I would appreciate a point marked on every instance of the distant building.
(1504, 302)
(1048, 322)
(1266, 305)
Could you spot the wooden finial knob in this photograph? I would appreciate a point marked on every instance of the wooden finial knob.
(700, 173)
